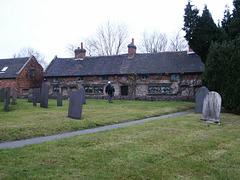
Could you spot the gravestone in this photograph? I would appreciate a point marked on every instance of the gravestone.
(75, 105)
(59, 99)
(7, 99)
(44, 95)
(2, 94)
(14, 96)
(82, 91)
(212, 108)
(201, 93)
(37, 94)
(30, 95)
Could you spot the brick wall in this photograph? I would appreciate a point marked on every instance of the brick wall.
(26, 79)
(8, 83)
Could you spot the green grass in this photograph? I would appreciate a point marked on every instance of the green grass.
(172, 148)
(26, 121)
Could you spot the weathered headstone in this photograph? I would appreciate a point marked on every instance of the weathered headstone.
(75, 105)
(212, 108)
(201, 93)
(30, 95)
(82, 91)
(44, 95)
(14, 96)
(7, 99)
(59, 99)
(2, 94)
(37, 94)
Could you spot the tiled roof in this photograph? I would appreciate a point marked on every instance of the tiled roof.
(155, 63)
(13, 65)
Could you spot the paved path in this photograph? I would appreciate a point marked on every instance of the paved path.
(37, 140)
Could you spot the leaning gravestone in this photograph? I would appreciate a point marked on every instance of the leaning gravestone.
(7, 99)
(30, 95)
(82, 91)
(212, 108)
(2, 94)
(75, 105)
(44, 95)
(59, 99)
(201, 93)
(14, 96)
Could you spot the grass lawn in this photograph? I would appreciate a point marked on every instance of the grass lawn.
(26, 121)
(172, 148)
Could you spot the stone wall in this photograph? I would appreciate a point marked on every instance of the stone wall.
(182, 89)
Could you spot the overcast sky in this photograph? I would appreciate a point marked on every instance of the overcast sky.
(49, 25)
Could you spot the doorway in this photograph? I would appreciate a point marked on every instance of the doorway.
(124, 90)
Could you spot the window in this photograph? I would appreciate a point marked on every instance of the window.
(56, 89)
(158, 89)
(25, 90)
(80, 78)
(144, 77)
(32, 72)
(98, 90)
(93, 90)
(175, 77)
(3, 70)
(55, 79)
(88, 89)
(165, 89)
(153, 89)
(105, 78)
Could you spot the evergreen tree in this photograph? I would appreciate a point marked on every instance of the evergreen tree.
(226, 19)
(234, 27)
(222, 72)
(200, 30)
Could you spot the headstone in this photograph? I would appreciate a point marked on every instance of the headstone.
(212, 108)
(201, 93)
(14, 96)
(37, 94)
(75, 105)
(7, 99)
(2, 94)
(59, 99)
(30, 95)
(82, 91)
(44, 95)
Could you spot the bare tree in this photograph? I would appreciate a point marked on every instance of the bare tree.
(109, 39)
(178, 42)
(153, 42)
(29, 51)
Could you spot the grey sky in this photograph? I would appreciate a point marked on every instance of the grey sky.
(49, 25)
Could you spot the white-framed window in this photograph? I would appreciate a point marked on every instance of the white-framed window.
(3, 70)
(159, 89)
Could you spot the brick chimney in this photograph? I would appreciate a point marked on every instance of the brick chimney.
(190, 51)
(131, 49)
(80, 53)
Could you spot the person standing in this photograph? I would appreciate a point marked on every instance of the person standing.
(110, 91)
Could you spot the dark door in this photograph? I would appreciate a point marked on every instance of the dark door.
(124, 90)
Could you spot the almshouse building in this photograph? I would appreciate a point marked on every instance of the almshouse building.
(21, 73)
(151, 76)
